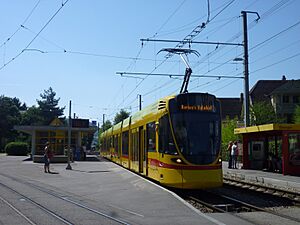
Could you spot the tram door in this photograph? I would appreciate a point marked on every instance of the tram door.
(142, 153)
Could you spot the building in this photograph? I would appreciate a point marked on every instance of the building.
(283, 94)
(57, 134)
(231, 108)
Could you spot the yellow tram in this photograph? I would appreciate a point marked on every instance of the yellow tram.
(175, 141)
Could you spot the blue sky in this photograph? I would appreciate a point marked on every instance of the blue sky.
(79, 52)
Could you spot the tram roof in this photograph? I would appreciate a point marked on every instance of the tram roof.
(147, 111)
(267, 127)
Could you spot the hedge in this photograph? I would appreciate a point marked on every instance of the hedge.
(16, 148)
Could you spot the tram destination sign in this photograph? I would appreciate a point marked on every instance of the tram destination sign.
(197, 107)
(196, 102)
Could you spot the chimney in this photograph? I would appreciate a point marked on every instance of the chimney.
(242, 98)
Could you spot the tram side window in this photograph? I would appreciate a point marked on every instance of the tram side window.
(116, 143)
(151, 137)
(135, 146)
(103, 144)
(125, 141)
(166, 143)
(112, 141)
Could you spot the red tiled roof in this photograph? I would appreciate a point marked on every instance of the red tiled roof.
(263, 88)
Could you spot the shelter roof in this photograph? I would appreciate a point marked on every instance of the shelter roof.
(267, 127)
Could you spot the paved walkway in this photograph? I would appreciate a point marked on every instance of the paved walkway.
(106, 186)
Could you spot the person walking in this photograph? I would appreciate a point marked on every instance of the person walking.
(47, 157)
(234, 155)
(229, 154)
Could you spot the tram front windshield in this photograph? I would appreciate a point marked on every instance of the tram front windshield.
(197, 134)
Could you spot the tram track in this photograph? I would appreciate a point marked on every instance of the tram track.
(35, 203)
(214, 202)
(293, 195)
(26, 218)
(46, 209)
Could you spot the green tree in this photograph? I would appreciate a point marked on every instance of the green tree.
(48, 106)
(263, 113)
(32, 116)
(122, 115)
(9, 116)
(296, 116)
(228, 135)
(107, 124)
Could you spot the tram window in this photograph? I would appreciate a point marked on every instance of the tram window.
(107, 144)
(125, 140)
(111, 141)
(135, 146)
(166, 143)
(116, 143)
(151, 137)
(104, 144)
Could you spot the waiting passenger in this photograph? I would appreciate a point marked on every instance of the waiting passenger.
(229, 154)
(47, 157)
(234, 155)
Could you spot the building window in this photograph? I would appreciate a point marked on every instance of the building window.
(285, 99)
(296, 99)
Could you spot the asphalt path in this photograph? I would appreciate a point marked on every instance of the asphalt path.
(91, 193)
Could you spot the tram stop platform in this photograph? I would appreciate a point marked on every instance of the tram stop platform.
(263, 178)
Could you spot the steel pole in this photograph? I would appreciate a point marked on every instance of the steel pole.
(69, 138)
(246, 71)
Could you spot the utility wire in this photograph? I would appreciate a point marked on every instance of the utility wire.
(62, 5)
(141, 48)
(278, 62)
(273, 9)
(197, 30)
(276, 51)
(160, 28)
(189, 37)
(274, 36)
(168, 19)
(16, 31)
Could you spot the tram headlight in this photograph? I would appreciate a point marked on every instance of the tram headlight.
(177, 160)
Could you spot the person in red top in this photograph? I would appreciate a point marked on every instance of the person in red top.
(47, 157)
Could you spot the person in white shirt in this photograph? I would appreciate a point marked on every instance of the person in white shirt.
(234, 155)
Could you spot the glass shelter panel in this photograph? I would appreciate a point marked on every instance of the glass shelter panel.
(294, 149)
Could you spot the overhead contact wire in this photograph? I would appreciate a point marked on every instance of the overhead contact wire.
(63, 4)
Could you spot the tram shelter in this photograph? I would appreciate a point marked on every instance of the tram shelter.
(271, 147)
(56, 133)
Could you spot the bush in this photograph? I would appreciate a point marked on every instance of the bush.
(16, 148)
